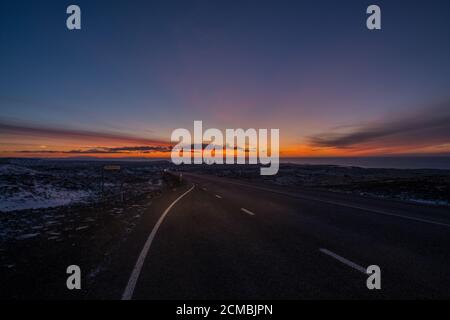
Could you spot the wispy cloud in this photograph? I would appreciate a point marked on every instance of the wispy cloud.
(428, 127)
(104, 150)
(21, 129)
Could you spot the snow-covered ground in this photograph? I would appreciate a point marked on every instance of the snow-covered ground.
(55, 200)
(11, 169)
(431, 202)
(40, 196)
(27, 184)
(23, 188)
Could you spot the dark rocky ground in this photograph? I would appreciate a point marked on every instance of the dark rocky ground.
(37, 245)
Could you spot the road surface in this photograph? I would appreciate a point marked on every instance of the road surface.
(217, 238)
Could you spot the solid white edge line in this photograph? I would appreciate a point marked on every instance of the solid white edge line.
(247, 211)
(128, 292)
(384, 213)
(343, 260)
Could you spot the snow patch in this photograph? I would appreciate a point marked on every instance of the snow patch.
(11, 169)
(41, 197)
(431, 202)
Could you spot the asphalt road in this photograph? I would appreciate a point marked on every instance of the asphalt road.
(216, 238)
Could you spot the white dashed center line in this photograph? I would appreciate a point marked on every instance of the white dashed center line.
(247, 211)
(343, 260)
(218, 197)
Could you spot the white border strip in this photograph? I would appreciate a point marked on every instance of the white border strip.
(128, 293)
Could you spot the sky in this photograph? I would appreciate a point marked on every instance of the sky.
(137, 70)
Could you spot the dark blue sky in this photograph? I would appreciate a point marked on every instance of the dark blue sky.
(144, 68)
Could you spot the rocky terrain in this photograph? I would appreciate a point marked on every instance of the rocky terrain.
(54, 213)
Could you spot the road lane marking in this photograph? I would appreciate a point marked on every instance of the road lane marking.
(128, 292)
(309, 198)
(247, 211)
(382, 212)
(204, 189)
(218, 197)
(343, 260)
(376, 211)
